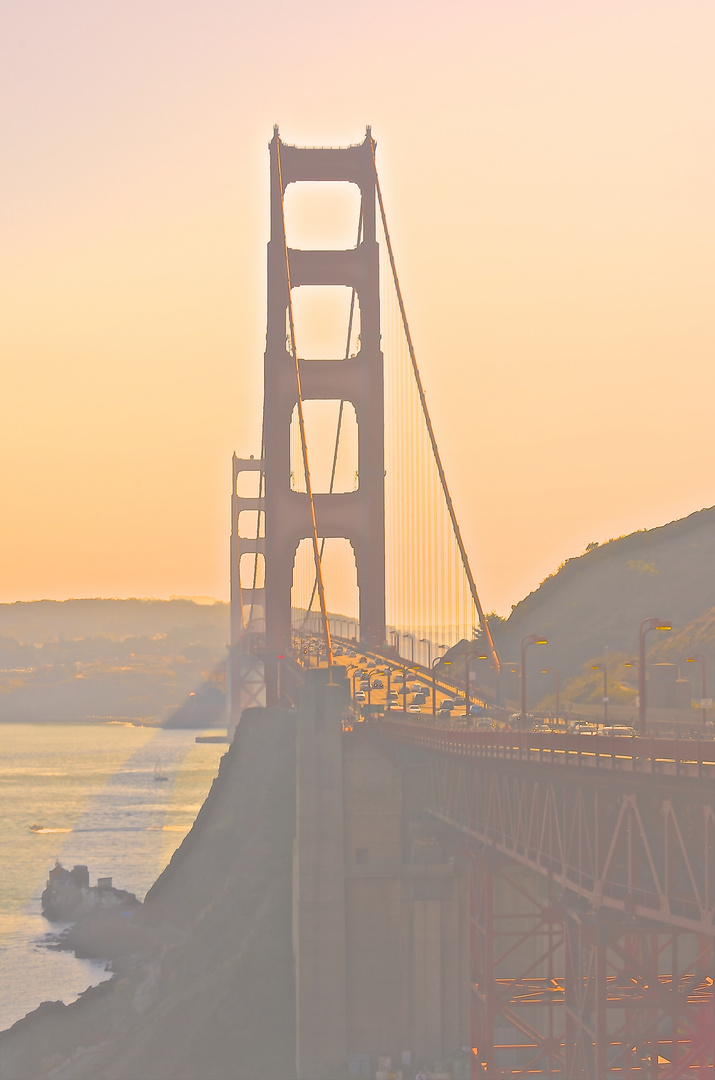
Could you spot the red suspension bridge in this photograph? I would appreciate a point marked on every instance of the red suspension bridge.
(592, 862)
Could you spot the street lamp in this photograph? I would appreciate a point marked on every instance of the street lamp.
(530, 639)
(412, 647)
(467, 692)
(433, 665)
(698, 659)
(428, 643)
(604, 669)
(645, 628)
(356, 668)
(554, 672)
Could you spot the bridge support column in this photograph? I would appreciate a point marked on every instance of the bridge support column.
(319, 925)
(516, 948)
(637, 998)
(380, 900)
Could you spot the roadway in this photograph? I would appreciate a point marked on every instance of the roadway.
(395, 674)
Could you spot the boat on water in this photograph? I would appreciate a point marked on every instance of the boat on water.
(159, 773)
(36, 828)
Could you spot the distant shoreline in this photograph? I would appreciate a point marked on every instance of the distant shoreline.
(130, 721)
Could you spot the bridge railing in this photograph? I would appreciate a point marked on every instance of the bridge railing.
(653, 756)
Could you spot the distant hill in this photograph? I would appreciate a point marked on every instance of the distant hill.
(37, 621)
(145, 660)
(595, 602)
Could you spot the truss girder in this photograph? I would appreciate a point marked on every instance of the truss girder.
(647, 852)
(592, 915)
(647, 849)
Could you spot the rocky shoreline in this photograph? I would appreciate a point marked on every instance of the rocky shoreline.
(203, 970)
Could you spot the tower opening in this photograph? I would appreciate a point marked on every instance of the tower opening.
(322, 419)
(322, 214)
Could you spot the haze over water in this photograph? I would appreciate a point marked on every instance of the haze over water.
(92, 788)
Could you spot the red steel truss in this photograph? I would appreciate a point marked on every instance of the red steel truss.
(593, 899)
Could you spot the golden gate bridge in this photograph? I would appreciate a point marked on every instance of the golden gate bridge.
(592, 863)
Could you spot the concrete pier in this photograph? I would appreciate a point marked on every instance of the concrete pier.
(380, 900)
(319, 924)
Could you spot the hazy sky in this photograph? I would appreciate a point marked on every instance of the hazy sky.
(548, 169)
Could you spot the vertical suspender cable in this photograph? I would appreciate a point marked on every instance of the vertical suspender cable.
(301, 423)
(423, 401)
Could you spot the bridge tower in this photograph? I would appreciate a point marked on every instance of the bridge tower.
(358, 516)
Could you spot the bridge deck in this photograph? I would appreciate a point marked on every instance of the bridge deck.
(688, 758)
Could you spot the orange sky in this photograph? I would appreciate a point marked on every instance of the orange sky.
(548, 169)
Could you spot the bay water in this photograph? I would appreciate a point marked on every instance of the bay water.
(93, 792)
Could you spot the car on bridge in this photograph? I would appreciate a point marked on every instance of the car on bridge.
(619, 729)
(377, 684)
(414, 708)
(360, 696)
(516, 721)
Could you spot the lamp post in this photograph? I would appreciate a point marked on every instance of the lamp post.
(530, 639)
(645, 628)
(604, 669)
(467, 692)
(412, 647)
(428, 643)
(355, 668)
(698, 659)
(433, 665)
(554, 672)
(434, 686)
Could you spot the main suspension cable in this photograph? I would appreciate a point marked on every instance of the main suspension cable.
(301, 424)
(423, 401)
